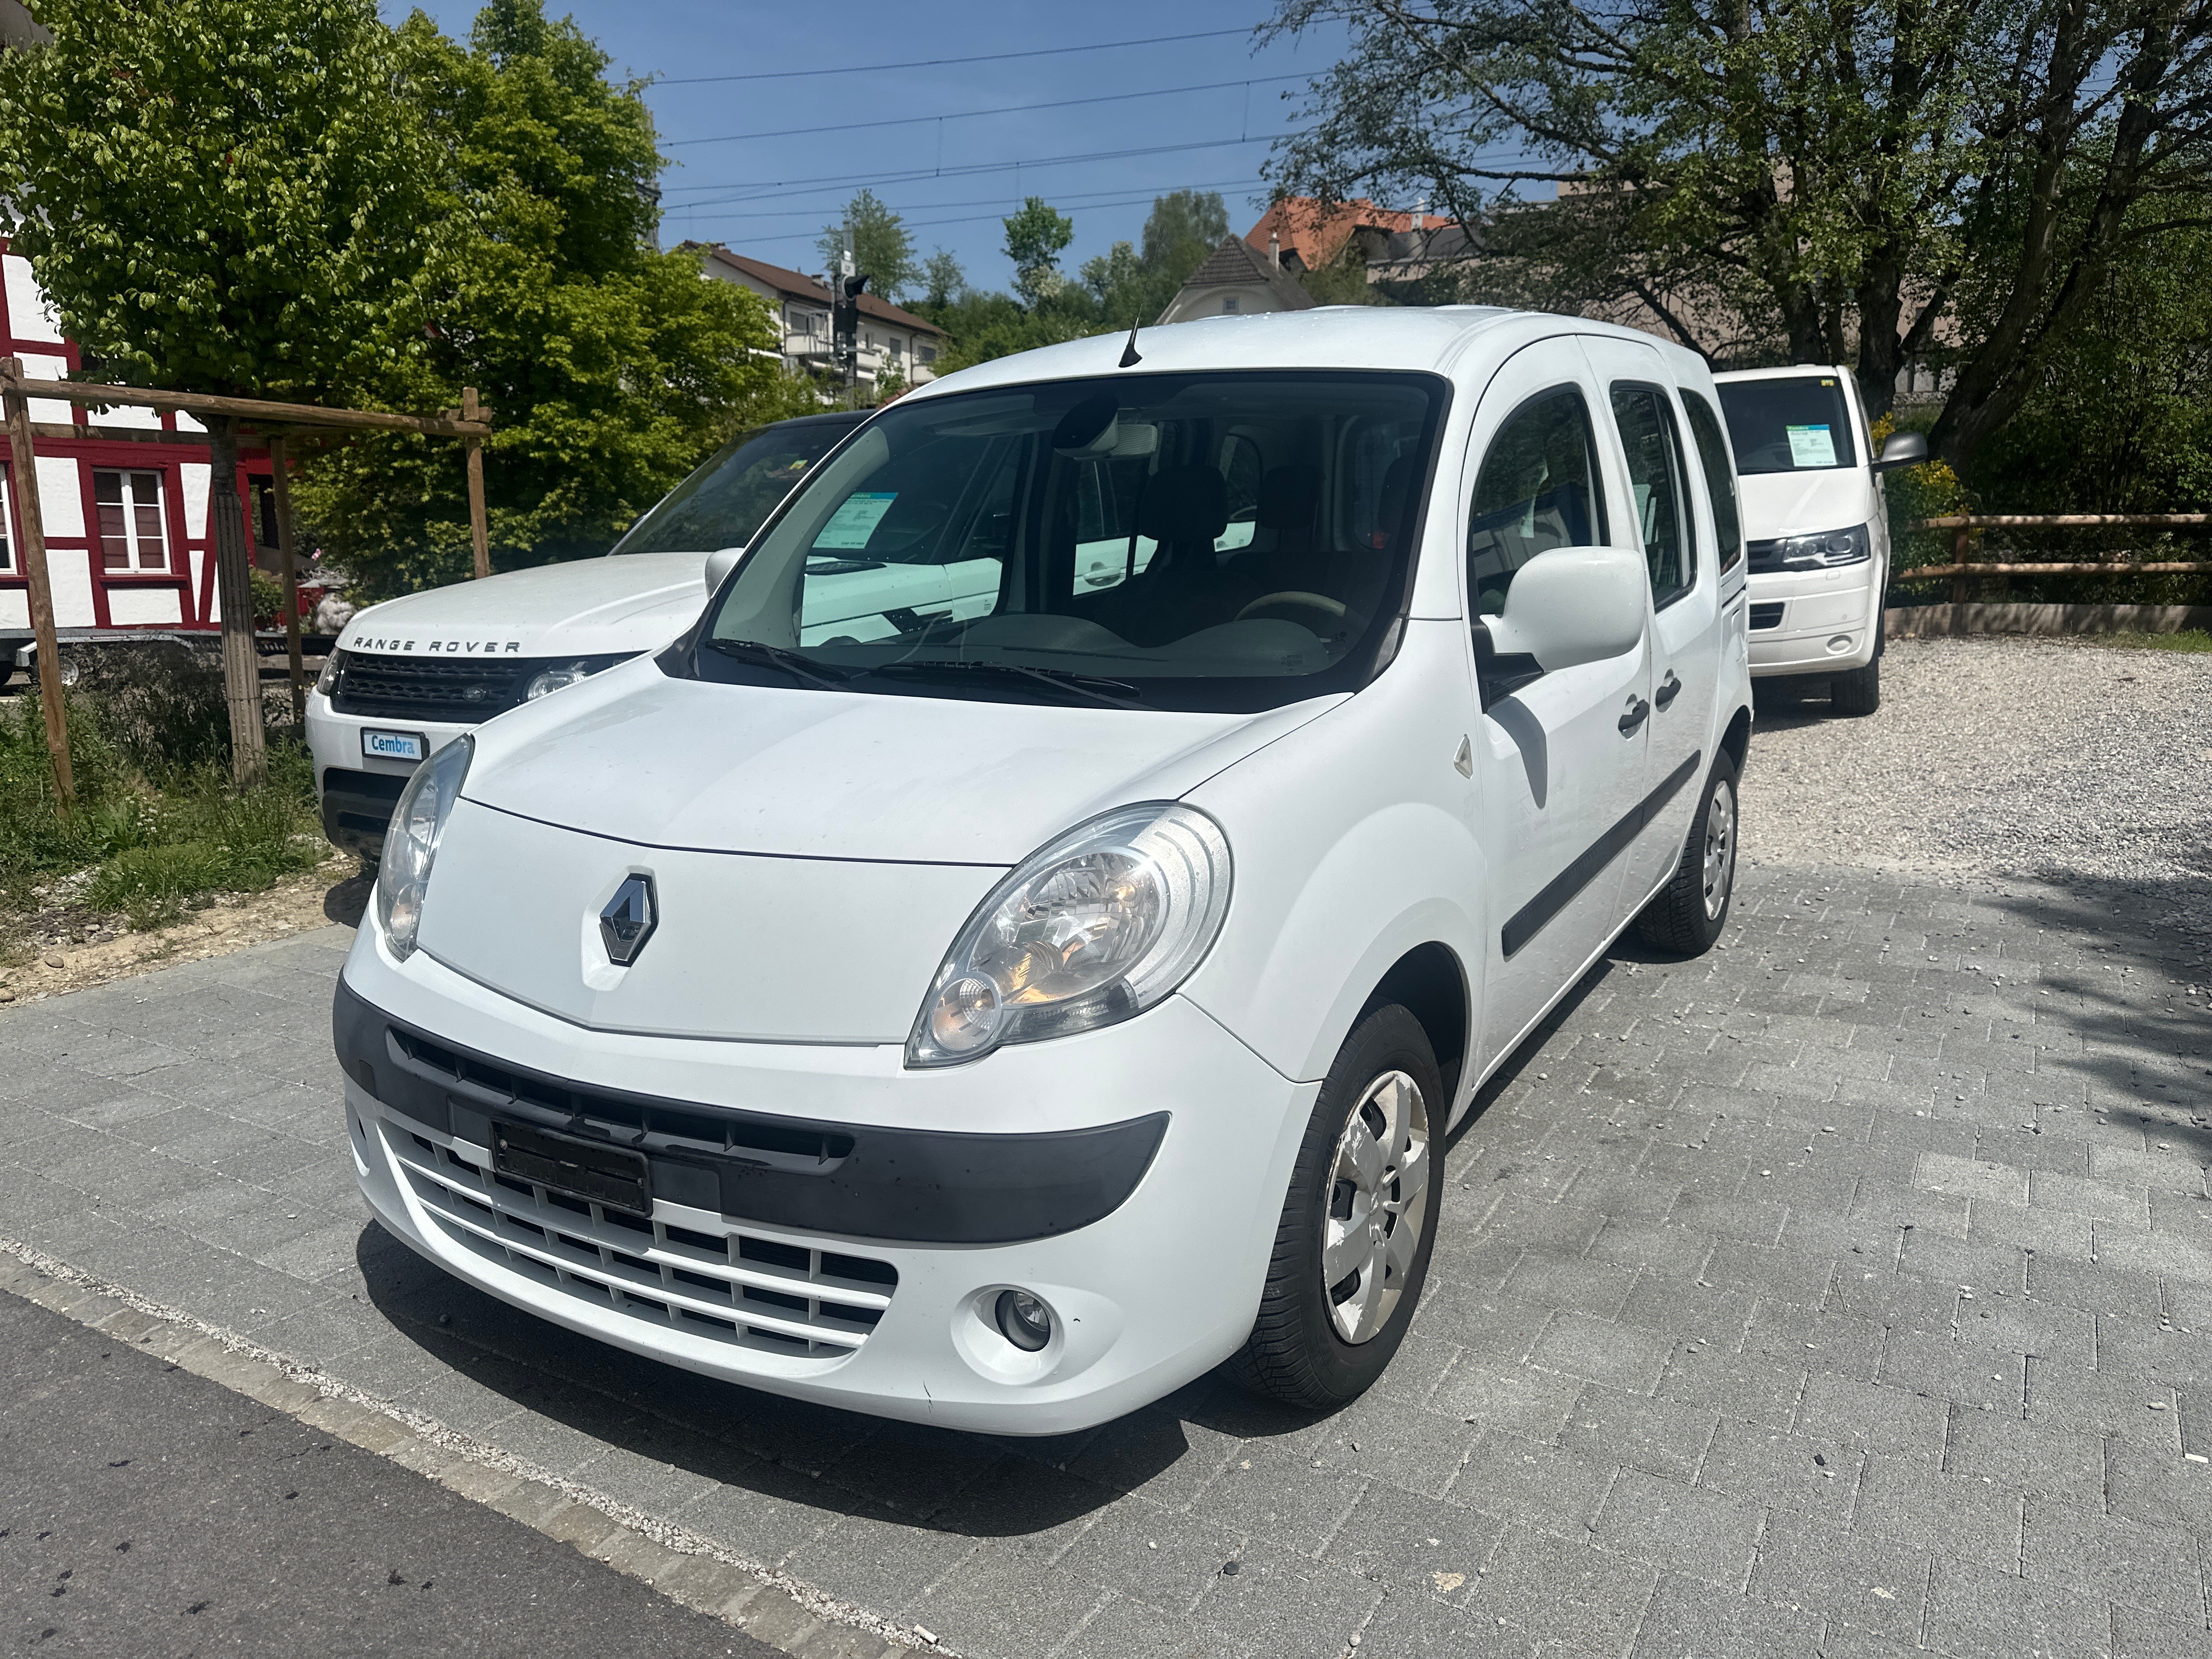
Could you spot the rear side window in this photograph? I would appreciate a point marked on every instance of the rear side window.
(1659, 479)
(1537, 489)
(1797, 424)
(1720, 476)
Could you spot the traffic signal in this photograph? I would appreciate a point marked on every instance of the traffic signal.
(845, 315)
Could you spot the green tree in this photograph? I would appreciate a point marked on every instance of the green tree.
(942, 278)
(880, 244)
(227, 197)
(611, 369)
(1854, 166)
(1034, 238)
(1182, 228)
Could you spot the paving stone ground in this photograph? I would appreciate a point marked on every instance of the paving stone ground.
(1846, 1292)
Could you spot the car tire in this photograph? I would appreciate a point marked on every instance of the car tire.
(1693, 909)
(1320, 1346)
(1859, 692)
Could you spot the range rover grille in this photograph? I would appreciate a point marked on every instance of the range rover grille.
(431, 688)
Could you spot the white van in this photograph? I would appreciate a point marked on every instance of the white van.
(411, 674)
(1000, 1019)
(1816, 530)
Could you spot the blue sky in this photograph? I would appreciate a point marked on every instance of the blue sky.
(952, 174)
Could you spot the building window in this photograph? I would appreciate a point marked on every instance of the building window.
(7, 523)
(893, 346)
(927, 354)
(1229, 304)
(264, 514)
(130, 529)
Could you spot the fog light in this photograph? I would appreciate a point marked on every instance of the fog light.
(1841, 644)
(1024, 1320)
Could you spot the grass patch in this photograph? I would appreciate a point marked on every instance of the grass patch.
(158, 827)
(2196, 640)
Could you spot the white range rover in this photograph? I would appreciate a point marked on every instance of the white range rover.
(411, 674)
(999, 1017)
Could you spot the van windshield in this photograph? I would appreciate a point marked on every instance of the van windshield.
(1228, 541)
(1792, 425)
(726, 501)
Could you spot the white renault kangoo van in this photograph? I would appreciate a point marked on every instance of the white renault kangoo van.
(998, 1016)
(1815, 525)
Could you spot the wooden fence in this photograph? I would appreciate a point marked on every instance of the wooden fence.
(470, 423)
(1965, 567)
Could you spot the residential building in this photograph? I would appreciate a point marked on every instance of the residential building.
(893, 343)
(1236, 278)
(126, 521)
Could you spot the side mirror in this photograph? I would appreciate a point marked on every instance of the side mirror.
(720, 563)
(1569, 605)
(1901, 449)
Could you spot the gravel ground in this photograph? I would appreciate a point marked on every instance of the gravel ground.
(1997, 758)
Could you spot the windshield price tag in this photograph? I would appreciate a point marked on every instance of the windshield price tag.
(1811, 445)
(855, 520)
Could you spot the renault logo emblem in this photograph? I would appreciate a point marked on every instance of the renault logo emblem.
(628, 919)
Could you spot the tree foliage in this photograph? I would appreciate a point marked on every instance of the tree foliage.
(881, 246)
(1034, 238)
(1849, 171)
(223, 196)
(612, 369)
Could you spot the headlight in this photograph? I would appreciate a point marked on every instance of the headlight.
(1832, 547)
(1094, 927)
(560, 676)
(333, 667)
(411, 842)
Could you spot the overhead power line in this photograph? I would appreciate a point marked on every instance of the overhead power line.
(973, 114)
(941, 63)
(770, 190)
(1078, 198)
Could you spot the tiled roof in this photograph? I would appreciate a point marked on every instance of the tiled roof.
(1300, 227)
(801, 286)
(1234, 264)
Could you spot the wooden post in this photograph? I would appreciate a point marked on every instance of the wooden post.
(279, 481)
(1962, 545)
(27, 514)
(479, 531)
(234, 581)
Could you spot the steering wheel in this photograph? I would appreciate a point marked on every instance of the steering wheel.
(1331, 610)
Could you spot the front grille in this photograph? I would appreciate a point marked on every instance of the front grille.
(725, 1285)
(1763, 555)
(1766, 615)
(432, 688)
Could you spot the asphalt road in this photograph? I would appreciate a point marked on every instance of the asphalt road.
(147, 1510)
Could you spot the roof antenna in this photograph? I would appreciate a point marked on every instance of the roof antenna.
(1130, 356)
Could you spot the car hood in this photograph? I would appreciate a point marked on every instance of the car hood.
(587, 607)
(640, 756)
(1805, 503)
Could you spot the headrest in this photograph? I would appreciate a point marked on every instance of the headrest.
(1184, 504)
(1287, 495)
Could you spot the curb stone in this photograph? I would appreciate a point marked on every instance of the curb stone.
(769, 1606)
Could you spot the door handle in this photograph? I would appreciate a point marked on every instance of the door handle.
(1638, 712)
(1669, 688)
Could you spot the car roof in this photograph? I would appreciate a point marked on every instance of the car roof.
(832, 418)
(1417, 339)
(1791, 372)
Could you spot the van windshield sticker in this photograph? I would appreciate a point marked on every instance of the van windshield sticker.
(855, 520)
(1809, 445)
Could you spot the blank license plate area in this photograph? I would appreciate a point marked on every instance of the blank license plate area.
(581, 1169)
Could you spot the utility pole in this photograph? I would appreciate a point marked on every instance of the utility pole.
(845, 324)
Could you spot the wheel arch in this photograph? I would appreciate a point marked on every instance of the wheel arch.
(1736, 741)
(1430, 983)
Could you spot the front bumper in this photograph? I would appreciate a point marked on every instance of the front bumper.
(1816, 622)
(357, 790)
(1147, 1292)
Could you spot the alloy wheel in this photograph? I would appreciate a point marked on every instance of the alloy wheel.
(1720, 848)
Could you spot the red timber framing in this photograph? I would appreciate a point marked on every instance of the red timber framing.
(177, 593)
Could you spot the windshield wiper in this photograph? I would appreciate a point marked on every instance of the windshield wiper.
(794, 663)
(1095, 687)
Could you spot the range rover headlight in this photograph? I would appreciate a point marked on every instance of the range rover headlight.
(1092, 928)
(1830, 548)
(411, 842)
(333, 668)
(560, 676)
